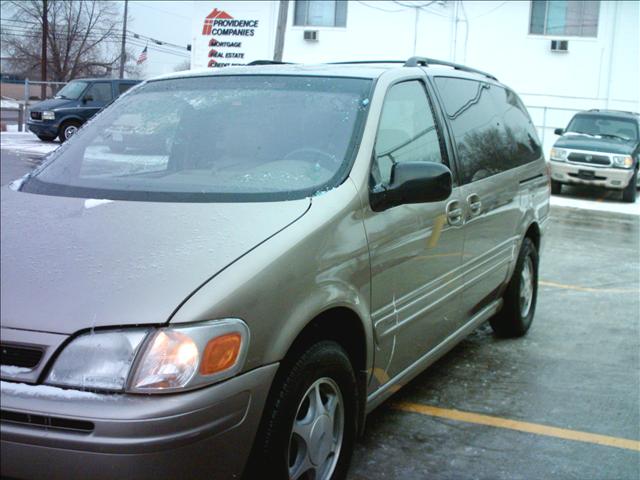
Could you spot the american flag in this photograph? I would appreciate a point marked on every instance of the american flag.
(143, 56)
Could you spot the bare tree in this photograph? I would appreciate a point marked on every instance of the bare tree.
(83, 38)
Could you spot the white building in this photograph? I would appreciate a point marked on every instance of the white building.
(561, 56)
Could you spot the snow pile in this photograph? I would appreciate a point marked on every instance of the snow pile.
(26, 143)
(45, 391)
(11, 370)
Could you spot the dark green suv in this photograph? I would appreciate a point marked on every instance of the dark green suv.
(79, 100)
(598, 147)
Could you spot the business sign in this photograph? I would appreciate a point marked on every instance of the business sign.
(233, 35)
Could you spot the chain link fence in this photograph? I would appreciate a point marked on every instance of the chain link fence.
(17, 96)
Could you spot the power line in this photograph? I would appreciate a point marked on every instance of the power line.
(380, 9)
(142, 4)
(490, 11)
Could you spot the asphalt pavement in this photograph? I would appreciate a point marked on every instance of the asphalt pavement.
(577, 371)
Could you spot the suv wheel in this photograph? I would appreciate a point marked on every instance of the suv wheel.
(309, 425)
(68, 129)
(556, 187)
(629, 193)
(520, 297)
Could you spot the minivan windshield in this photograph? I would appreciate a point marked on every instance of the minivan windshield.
(214, 138)
(72, 90)
(604, 126)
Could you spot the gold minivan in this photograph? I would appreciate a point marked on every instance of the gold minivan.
(235, 297)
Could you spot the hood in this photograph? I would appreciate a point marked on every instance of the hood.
(71, 263)
(604, 145)
(53, 103)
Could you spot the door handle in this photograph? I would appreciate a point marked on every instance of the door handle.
(475, 204)
(454, 213)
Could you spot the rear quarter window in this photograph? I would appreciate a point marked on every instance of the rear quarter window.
(491, 127)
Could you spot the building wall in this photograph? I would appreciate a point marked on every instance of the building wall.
(600, 72)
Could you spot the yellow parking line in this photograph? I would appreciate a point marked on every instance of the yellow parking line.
(587, 289)
(527, 427)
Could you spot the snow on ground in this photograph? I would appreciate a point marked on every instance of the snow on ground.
(597, 204)
(26, 143)
(9, 103)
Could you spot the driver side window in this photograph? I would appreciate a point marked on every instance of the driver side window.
(407, 131)
(100, 92)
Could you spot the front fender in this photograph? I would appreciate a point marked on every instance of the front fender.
(319, 262)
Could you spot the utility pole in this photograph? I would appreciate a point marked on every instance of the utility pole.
(124, 40)
(281, 29)
(43, 55)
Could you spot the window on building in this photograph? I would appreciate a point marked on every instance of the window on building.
(320, 13)
(577, 18)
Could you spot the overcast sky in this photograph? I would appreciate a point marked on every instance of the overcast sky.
(168, 21)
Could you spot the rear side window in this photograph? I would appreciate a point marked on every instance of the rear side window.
(407, 131)
(491, 128)
(100, 92)
(522, 144)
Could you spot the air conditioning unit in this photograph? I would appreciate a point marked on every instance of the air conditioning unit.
(311, 35)
(560, 46)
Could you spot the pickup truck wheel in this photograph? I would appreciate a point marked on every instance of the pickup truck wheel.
(629, 193)
(309, 426)
(68, 129)
(556, 187)
(520, 296)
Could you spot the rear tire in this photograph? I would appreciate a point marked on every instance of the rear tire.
(556, 187)
(630, 191)
(520, 297)
(68, 129)
(298, 433)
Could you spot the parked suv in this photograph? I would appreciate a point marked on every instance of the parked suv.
(78, 101)
(598, 147)
(305, 241)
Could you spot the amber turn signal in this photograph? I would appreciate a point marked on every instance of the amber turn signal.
(220, 353)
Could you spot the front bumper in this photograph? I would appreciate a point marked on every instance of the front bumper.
(207, 433)
(566, 172)
(43, 128)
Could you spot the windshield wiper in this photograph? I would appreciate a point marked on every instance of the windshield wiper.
(581, 133)
(613, 135)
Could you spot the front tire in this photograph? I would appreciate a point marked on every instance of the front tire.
(68, 129)
(46, 138)
(630, 191)
(556, 187)
(310, 421)
(520, 296)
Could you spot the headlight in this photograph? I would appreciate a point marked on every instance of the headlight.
(169, 360)
(48, 115)
(558, 154)
(99, 360)
(622, 161)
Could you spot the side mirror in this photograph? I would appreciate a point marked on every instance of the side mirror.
(87, 98)
(559, 131)
(413, 182)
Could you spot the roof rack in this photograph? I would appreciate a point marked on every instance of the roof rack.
(267, 62)
(609, 110)
(425, 62)
(412, 62)
(364, 62)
